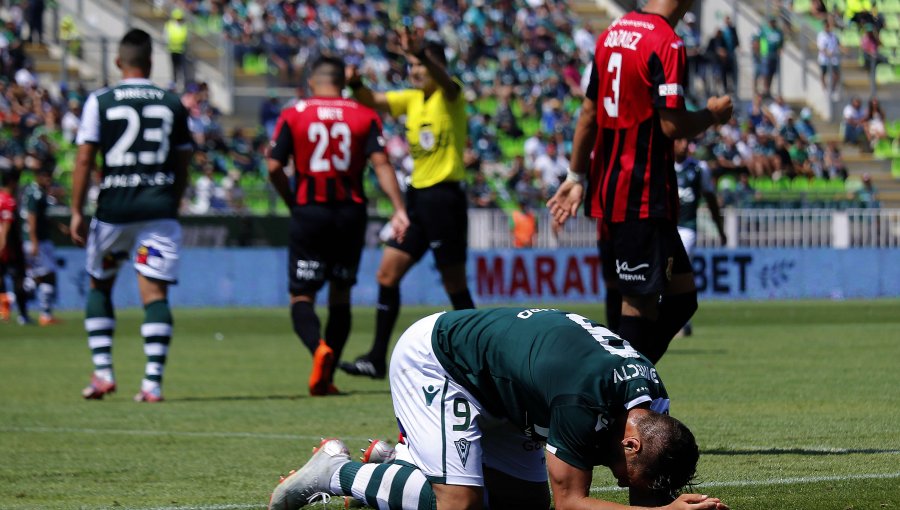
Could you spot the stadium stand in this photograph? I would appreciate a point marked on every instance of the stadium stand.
(523, 64)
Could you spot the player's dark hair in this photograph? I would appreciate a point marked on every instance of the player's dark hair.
(670, 460)
(135, 49)
(329, 68)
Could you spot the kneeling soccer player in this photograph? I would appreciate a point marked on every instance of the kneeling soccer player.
(490, 401)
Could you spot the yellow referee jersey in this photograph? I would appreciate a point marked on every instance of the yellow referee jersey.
(436, 130)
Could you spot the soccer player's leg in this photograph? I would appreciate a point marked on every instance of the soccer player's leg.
(396, 261)
(515, 471)
(107, 247)
(352, 220)
(156, 262)
(641, 271)
(446, 224)
(688, 240)
(613, 298)
(46, 288)
(679, 300)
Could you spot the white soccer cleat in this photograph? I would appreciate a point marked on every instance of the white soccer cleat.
(312, 481)
(378, 452)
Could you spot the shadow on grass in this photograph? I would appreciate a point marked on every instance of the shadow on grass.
(694, 352)
(800, 451)
(238, 398)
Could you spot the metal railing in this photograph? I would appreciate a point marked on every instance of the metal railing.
(746, 228)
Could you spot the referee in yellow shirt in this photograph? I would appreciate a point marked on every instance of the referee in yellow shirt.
(436, 129)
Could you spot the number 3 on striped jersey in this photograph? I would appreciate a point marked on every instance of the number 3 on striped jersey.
(320, 134)
(611, 104)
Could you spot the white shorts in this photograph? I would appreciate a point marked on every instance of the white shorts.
(45, 261)
(688, 239)
(448, 434)
(155, 243)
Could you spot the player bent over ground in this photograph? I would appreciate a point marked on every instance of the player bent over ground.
(330, 140)
(489, 402)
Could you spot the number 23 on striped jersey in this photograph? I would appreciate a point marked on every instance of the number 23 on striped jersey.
(322, 136)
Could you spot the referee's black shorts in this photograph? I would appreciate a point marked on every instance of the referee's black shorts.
(439, 220)
(326, 245)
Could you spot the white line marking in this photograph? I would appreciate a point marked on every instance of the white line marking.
(235, 435)
(739, 483)
(779, 481)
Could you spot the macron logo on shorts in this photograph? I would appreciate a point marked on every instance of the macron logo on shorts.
(430, 393)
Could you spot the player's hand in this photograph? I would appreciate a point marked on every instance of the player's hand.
(410, 42)
(77, 229)
(565, 202)
(352, 74)
(721, 108)
(696, 502)
(400, 222)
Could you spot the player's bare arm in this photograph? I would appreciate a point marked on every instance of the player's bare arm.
(686, 124)
(363, 94)
(182, 161)
(571, 491)
(568, 197)
(712, 202)
(414, 46)
(32, 234)
(280, 181)
(85, 160)
(387, 179)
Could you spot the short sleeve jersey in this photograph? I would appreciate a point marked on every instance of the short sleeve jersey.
(9, 215)
(639, 68)
(693, 181)
(558, 376)
(330, 141)
(138, 128)
(436, 130)
(37, 202)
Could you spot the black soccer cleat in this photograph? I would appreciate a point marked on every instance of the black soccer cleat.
(364, 367)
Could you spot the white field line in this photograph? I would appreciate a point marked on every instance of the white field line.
(255, 435)
(778, 481)
(260, 435)
(125, 432)
(739, 483)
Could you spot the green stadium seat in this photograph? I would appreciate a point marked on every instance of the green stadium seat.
(511, 147)
(802, 6)
(530, 125)
(889, 7)
(487, 105)
(895, 168)
(883, 149)
(889, 39)
(850, 38)
(726, 183)
(884, 74)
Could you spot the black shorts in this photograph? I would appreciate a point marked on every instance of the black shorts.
(326, 244)
(646, 253)
(604, 249)
(439, 220)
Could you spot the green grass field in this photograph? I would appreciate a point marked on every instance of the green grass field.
(796, 405)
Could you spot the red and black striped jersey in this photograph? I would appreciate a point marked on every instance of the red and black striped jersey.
(330, 140)
(639, 68)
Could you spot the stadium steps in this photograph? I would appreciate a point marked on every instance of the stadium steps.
(200, 48)
(47, 61)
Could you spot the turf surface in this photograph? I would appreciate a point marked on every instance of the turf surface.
(796, 405)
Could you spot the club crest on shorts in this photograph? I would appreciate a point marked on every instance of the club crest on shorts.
(462, 449)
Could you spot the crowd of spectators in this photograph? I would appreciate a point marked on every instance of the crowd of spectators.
(524, 65)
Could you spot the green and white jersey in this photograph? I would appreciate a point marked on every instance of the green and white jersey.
(693, 181)
(36, 202)
(138, 128)
(556, 375)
